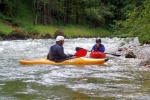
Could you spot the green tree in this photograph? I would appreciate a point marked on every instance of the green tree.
(98, 12)
(136, 23)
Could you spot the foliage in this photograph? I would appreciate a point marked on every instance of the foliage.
(96, 13)
(144, 38)
(6, 29)
(137, 23)
(75, 17)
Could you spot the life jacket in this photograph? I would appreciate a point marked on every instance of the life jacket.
(97, 48)
(56, 53)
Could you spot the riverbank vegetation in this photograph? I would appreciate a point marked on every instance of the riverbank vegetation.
(75, 18)
(137, 23)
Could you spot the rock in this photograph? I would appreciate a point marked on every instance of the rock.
(147, 66)
(130, 54)
(120, 49)
(145, 62)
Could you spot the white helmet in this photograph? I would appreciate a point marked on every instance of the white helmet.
(58, 38)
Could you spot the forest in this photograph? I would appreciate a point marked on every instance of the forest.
(76, 18)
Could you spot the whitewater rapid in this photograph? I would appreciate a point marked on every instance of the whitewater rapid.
(119, 78)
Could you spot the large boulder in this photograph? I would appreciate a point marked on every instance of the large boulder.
(145, 62)
(130, 54)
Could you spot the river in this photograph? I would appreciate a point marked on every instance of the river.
(119, 78)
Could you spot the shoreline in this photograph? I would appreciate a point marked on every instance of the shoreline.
(140, 53)
(23, 35)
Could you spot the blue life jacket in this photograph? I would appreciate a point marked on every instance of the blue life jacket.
(101, 48)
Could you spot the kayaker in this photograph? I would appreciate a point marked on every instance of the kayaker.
(56, 52)
(98, 46)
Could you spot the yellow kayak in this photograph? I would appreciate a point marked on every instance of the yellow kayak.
(74, 61)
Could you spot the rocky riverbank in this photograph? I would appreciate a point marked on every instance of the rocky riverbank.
(142, 53)
(23, 35)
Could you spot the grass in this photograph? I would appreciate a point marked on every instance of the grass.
(82, 31)
(45, 29)
(69, 31)
(6, 29)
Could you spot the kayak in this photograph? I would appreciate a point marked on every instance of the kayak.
(73, 61)
(97, 55)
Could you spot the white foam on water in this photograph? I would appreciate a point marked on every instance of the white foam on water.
(89, 79)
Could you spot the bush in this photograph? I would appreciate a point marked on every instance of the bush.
(17, 34)
(2, 34)
(59, 32)
(46, 36)
(2, 17)
(144, 38)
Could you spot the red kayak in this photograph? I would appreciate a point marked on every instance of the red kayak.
(97, 54)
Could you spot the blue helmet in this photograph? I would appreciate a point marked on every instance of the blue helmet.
(98, 40)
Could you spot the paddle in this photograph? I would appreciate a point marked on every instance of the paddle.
(117, 55)
(79, 48)
(81, 53)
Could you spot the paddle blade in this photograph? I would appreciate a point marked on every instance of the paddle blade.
(78, 48)
(81, 53)
(117, 55)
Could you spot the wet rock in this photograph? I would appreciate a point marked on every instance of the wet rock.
(147, 66)
(145, 62)
(130, 54)
(120, 49)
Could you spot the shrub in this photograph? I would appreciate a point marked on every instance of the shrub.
(17, 34)
(46, 36)
(59, 32)
(144, 38)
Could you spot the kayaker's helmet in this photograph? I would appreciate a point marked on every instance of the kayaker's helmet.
(98, 40)
(59, 38)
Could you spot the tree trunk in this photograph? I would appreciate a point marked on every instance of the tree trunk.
(58, 18)
(44, 12)
(77, 17)
(49, 13)
(58, 15)
(41, 13)
(35, 4)
(66, 11)
(17, 7)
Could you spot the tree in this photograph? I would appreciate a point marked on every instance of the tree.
(49, 13)
(43, 12)
(66, 11)
(17, 7)
(98, 12)
(35, 11)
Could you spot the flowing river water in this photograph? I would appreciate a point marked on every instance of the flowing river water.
(119, 78)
